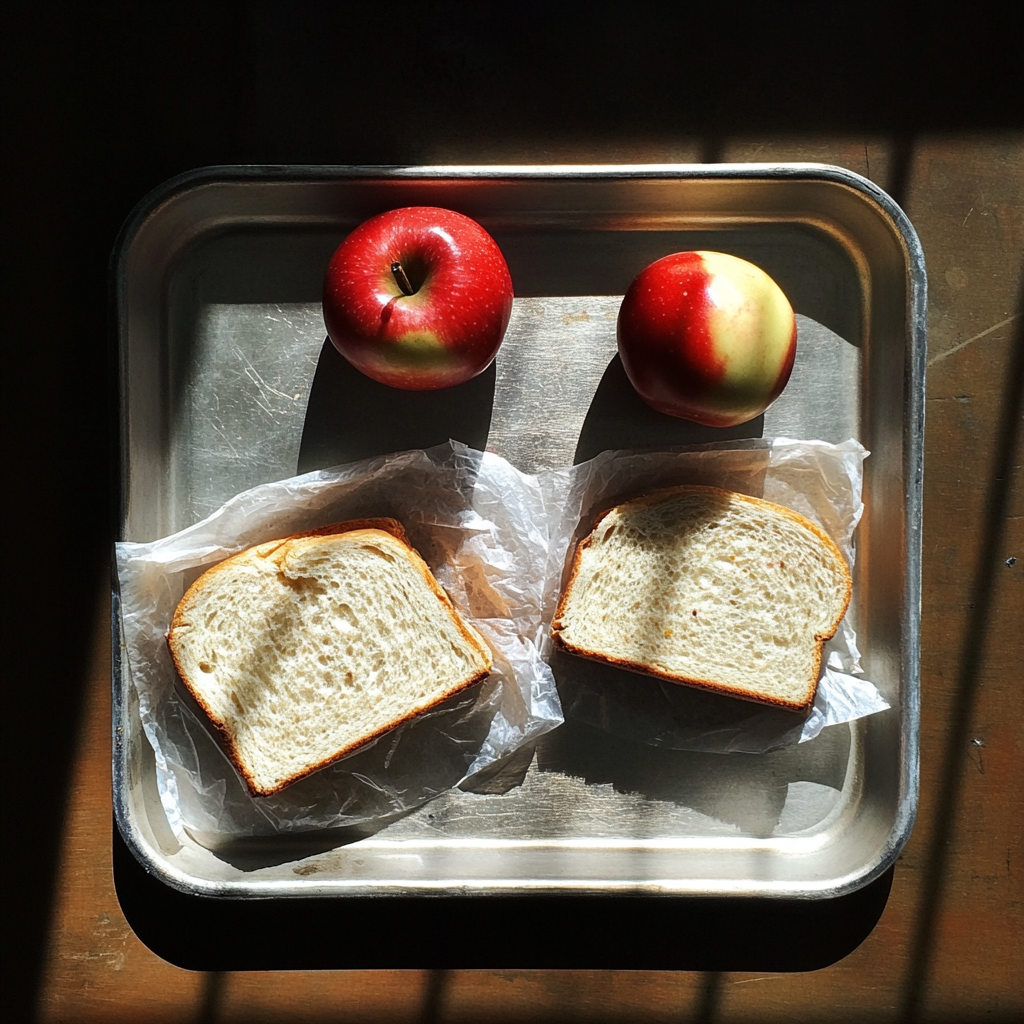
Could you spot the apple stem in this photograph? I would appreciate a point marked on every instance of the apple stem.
(401, 277)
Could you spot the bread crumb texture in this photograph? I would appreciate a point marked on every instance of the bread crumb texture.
(302, 650)
(711, 588)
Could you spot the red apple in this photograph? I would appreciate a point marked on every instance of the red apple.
(707, 337)
(418, 298)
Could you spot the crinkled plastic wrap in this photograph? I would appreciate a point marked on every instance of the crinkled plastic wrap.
(820, 481)
(482, 528)
(499, 541)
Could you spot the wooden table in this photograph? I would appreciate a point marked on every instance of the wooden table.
(949, 943)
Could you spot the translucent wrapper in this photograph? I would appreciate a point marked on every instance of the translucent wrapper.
(499, 541)
(820, 481)
(479, 524)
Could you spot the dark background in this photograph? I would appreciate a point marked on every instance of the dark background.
(104, 101)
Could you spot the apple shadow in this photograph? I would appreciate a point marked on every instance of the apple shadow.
(627, 751)
(351, 417)
(618, 418)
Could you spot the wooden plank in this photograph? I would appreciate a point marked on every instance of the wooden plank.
(966, 198)
(96, 969)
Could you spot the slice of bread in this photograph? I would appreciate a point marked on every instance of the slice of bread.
(709, 588)
(302, 650)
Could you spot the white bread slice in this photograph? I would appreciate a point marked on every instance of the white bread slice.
(708, 588)
(303, 649)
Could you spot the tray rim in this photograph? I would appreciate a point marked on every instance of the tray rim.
(913, 470)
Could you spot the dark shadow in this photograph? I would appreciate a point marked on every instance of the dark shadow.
(902, 158)
(427, 755)
(256, 852)
(350, 417)
(712, 148)
(817, 274)
(502, 86)
(433, 997)
(947, 805)
(660, 713)
(710, 998)
(510, 932)
(211, 998)
(619, 418)
(504, 775)
(745, 790)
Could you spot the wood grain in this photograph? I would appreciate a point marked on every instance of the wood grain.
(966, 198)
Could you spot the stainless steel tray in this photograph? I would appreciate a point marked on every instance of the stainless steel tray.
(226, 383)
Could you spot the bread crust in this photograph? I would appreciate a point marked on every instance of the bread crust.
(710, 685)
(380, 529)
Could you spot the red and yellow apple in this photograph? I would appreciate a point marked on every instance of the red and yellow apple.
(418, 298)
(707, 337)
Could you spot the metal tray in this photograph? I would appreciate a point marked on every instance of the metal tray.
(226, 382)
